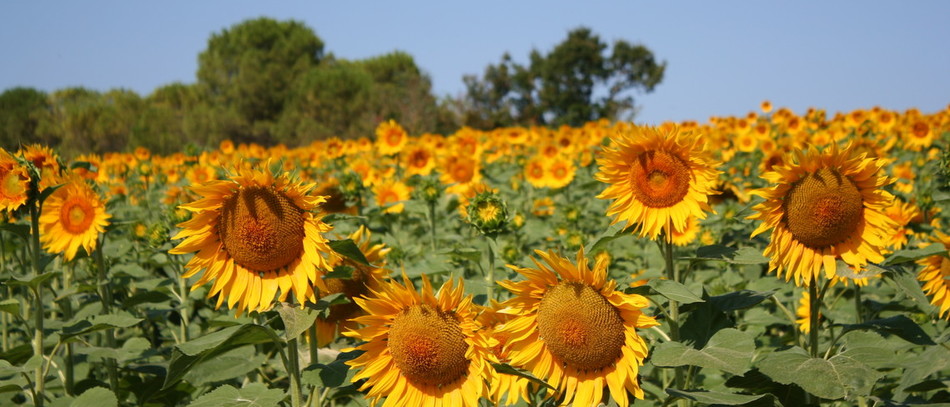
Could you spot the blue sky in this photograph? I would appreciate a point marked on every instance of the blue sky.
(724, 57)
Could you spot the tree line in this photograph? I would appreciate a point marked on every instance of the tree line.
(269, 81)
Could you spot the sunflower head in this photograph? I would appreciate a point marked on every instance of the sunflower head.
(825, 206)
(657, 178)
(570, 326)
(14, 182)
(255, 234)
(421, 347)
(935, 276)
(73, 217)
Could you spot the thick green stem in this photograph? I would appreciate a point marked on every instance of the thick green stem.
(105, 295)
(39, 376)
(858, 307)
(67, 308)
(432, 224)
(814, 305)
(490, 274)
(672, 274)
(314, 357)
(293, 364)
(183, 306)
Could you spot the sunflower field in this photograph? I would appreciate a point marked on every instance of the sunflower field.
(771, 259)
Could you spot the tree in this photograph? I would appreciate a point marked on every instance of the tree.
(21, 110)
(576, 82)
(248, 70)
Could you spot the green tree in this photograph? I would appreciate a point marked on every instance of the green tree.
(162, 126)
(21, 110)
(577, 81)
(247, 70)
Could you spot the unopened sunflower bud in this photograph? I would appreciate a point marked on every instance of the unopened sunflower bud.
(158, 235)
(488, 213)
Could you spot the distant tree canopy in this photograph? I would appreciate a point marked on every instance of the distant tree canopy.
(269, 81)
(575, 82)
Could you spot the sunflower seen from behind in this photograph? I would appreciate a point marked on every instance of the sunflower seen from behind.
(421, 349)
(656, 178)
(573, 329)
(73, 217)
(821, 207)
(255, 235)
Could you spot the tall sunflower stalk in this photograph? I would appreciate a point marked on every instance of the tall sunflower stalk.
(488, 213)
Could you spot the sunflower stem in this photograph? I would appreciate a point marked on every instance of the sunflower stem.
(39, 376)
(490, 274)
(293, 359)
(105, 295)
(314, 358)
(858, 308)
(673, 274)
(814, 304)
(432, 224)
(182, 304)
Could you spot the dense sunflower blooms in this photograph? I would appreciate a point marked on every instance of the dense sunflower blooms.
(421, 349)
(363, 279)
(656, 178)
(14, 182)
(936, 277)
(46, 162)
(73, 217)
(821, 207)
(571, 328)
(255, 234)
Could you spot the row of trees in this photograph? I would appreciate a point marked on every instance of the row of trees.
(269, 81)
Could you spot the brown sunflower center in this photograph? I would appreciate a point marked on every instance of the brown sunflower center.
(660, 179)
(76, 215)
(351, 287)
(823, 209)
(580, 327)
(261, 229)
(428, 346)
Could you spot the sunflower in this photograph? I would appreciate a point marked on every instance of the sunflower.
(824, 206)
(936, 276)
(511, 386)
(535, 172)
(390, 138)
(656, 178)
(803, 312)
(419, 160)
(46, 162)
(73, 216)
(362, 280)
(688, 235)
(14, 182)
(255, 234)
(421, 349)
(571, 328)
(391, 195)
(560, 172)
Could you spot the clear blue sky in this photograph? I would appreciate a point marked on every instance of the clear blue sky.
(724, 57)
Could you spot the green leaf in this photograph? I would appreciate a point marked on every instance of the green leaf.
(724, 399)
(749, 255)
(229, 365)
(96, 397)
(252, 395)
(33, 281)
(7, 369)
(743, 255)
(729, 350)
(898, 325)
(612, 233)
(131, 349)
(296, 320)
(348, 249)
(868, 347)
(333, 374)
(10, 305)
(17, 229)
(505, 368)
(702, 322)
(835, 378)
(341, 271)
(324, 303)
(907, 283)
(98, 323)
(739, 299)
(675, 291)
(187, 355)
(908, 255)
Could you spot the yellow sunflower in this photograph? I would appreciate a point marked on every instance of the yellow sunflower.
(511, 387)
(824, 206)
(657, 178)
(571, 328)
(255, 234)
(936, 277)
(560, 172)
(421, 349)
(14, 182)
(535, 172)
(391, 195)
(803, 312)
(73, 216)
(362, 280)
(390, 138)
(46, 162)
